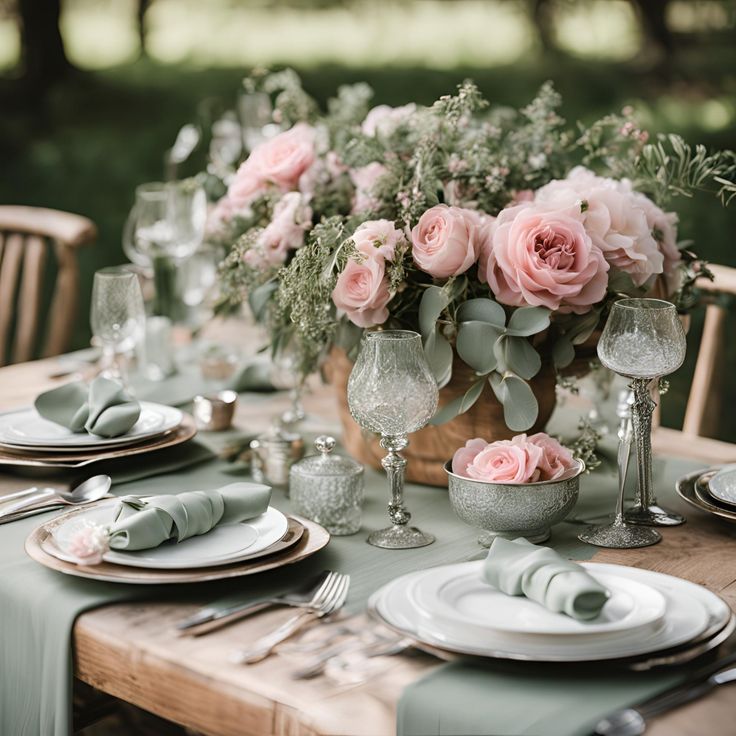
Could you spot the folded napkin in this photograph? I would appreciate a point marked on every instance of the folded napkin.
(519, 567)
(143, 523)
(103, 408)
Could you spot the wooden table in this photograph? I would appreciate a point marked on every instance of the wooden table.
(131, 651)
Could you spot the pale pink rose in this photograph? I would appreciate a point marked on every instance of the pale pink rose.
(613, 217)
(384, 119)
(88, 544)
(465, 455)
(219, 216)
(244, 188)
(362, 291)
(444, 241)
(485, 226)
(507, 461)
(290, 220)
(523, 195)
(378, 238)
(544, 258)
(283, 159)
(364, 180)
(556, 459)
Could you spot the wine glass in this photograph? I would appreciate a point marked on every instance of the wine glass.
(391, 391)
(256, 118)
(287, 373)
(643, 340)
(117, 316)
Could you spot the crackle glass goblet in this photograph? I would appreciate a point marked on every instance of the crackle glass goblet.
(643, 340)
(392, 392)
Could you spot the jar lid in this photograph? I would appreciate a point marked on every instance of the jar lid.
(277, 437)
(326, 463)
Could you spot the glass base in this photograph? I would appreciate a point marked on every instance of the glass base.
(535, 536)
(400, 537)
(620, 536)
(653, 516)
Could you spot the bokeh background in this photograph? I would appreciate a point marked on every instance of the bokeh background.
(93, 92)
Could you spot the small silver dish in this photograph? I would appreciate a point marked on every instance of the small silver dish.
(512, 510)
(215, 412)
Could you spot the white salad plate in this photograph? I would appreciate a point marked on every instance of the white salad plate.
(465, 598)
(690, 611)
(223, 545)
(722, 485)
(25, 430)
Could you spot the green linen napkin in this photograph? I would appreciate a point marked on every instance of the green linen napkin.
(519, 567)
(103, 408)
(143, 523)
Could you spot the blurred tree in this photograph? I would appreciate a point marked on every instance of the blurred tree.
(143, 6)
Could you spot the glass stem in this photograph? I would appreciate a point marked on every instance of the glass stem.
(641, 412)
(395, 465)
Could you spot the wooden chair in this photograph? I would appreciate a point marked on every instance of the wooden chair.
(27, 235)
(704, 403)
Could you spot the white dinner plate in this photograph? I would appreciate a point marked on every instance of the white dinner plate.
(462, 596)
(722, 485)
(25, 429)
(225, 544)
(690, 610)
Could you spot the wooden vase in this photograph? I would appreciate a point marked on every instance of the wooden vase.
(431, 447)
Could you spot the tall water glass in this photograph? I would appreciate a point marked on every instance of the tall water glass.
(643, 340)
(392, 392)
(117, 316)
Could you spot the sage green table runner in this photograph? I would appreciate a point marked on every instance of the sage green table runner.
(38, 606)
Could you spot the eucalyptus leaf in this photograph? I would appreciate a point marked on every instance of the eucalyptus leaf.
(520, 408)
(439, 356)
(482, 310)
(475, 341)
(348, 335)
(459, 405)
(521, 357)
(585, 328)
(563, 352)
(259, 298)
(527, 321)
(434, 300)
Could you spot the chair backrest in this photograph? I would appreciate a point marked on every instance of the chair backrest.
(704, 404)
(27, 236)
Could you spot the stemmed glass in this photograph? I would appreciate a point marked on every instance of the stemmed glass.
(391, 391)
(644, 340)
(117, 316)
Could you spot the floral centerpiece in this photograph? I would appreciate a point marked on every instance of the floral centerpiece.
(502, 236)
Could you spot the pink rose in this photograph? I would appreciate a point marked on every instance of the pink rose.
(88, 543)
(556, 459)
(244, 188)
(283, 159)
(507, 461)
(544, 258)
(362, 291)
(377, 237)
(444, 241)
(465, 455)
(219, 216)
(384, 119)
(364, 180)
(290, 220)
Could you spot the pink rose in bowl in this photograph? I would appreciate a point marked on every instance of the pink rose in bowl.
(283, 159)
(362, 291)
(465, 455)
(544, 258)
(291, 219)
(506, 461)
(444, 241)
(556, 460)
(377, 238)
(244, 188)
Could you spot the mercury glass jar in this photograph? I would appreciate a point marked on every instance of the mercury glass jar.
(274, 452)
(328, 489)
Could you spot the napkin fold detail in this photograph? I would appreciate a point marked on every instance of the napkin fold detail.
(104, 408)
(519, 567)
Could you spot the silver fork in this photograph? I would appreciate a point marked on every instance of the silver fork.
(331, 600)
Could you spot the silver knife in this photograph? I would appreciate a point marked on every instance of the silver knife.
(632, 721)
(30, 512)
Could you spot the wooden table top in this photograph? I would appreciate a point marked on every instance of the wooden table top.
(132, 652)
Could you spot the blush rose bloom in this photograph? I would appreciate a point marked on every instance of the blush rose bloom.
(444, 241)
(362, 291)
(556, 459)
(465, 455)
(544, 258)
(364, 180)
(613, 217)
(378, 238)
(507, 461)
(282, 160)
(291, 219)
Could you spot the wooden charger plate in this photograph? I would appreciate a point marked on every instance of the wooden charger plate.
(69, 460)
(302, 539)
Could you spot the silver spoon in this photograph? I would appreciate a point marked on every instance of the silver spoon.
(92, 489)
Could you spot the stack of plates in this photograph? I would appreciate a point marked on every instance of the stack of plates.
(454, 609)
(28, 439)
(712, 490)
(226, 551)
